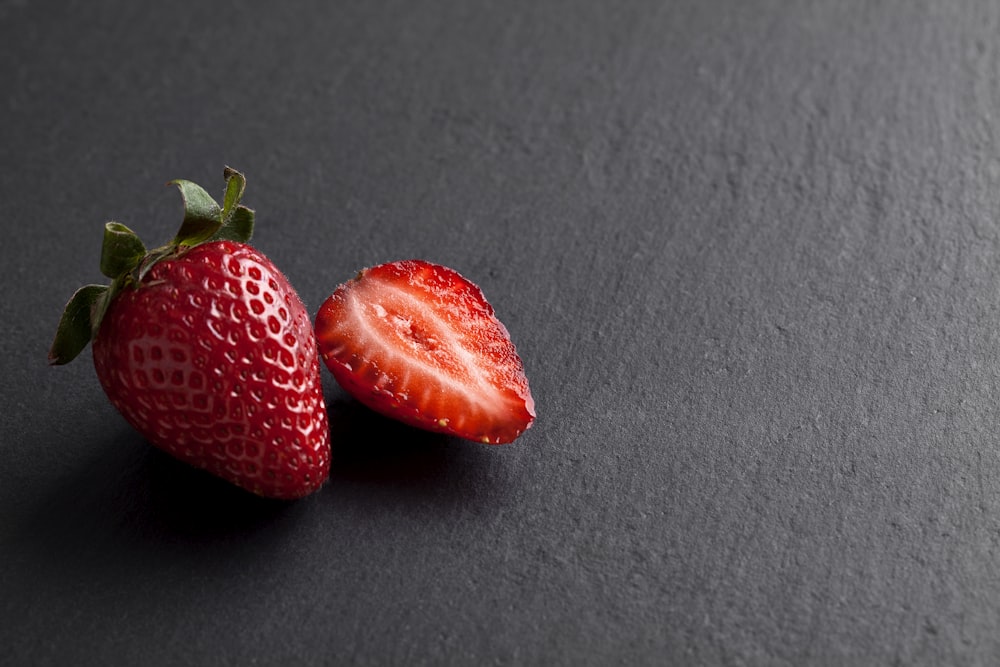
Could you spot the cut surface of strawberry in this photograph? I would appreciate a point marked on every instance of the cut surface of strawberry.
(419, 343)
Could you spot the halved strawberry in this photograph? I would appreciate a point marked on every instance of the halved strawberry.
(418, 343)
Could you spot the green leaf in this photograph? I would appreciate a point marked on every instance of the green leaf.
(78, 323)
(236, 185)
(239, 227)
(122, 250)
(202, 216)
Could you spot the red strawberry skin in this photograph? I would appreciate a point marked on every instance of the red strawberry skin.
(419, 343)
(212, 358)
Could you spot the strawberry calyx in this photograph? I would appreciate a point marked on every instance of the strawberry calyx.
(126, 261)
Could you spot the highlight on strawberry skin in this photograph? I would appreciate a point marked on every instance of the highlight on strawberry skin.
(419, 343)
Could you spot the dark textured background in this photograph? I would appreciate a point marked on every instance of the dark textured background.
(749, 252)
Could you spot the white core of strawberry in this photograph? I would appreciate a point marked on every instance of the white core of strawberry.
(430, 351)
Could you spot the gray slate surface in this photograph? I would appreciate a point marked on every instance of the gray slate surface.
(749, 252)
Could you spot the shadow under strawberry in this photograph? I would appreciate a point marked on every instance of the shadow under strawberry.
(126, 518)
(371, 448)
(128, 493)
(377, 459)
(184, 500)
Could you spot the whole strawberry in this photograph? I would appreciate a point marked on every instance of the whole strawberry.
(204, 347)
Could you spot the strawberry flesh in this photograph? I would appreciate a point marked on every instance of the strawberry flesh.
(419, 343)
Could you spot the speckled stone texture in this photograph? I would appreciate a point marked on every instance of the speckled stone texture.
(749, 254)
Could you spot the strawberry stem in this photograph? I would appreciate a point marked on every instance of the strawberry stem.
(237, 220)
(236, 184)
